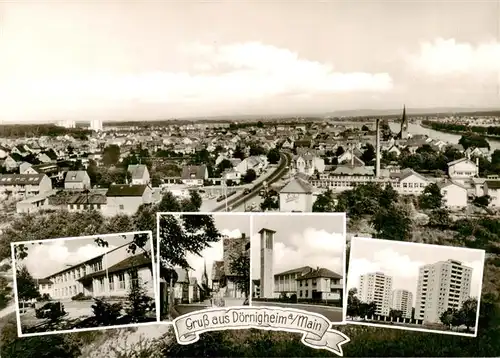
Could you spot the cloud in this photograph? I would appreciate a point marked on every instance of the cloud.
(233, 234)
(387, 261)
(219, 74)
(449, 57)
(44, 260)
(312, 247)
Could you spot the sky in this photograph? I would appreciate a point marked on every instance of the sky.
(230, 225)
(50, 256)
(402, 261)
(301, 240)
(158, 60)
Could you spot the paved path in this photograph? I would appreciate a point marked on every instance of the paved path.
(7, 310)
(334, 314)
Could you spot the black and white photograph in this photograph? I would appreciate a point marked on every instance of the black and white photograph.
(414, 286)
(84, 283)
(298, 261)
(204, 261)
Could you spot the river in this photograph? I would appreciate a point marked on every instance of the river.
(436, 135)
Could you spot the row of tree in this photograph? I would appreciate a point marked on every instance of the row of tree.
(463, 128)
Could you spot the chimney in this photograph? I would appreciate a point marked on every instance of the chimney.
(377, 150)
(243, 235)
(352, 154)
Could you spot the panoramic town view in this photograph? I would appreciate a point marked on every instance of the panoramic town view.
(111, 112)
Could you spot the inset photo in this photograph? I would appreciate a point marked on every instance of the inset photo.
(84, 283)
(412, 286)
(298, 261)
(204, 261)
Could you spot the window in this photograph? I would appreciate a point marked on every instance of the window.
(100, 284)
(134, 277)
(121, 206)
(111, 283)
(121, 281)
(300, 293)
(314, 282)
(307, 293)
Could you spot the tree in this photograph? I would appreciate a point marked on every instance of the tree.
(324, 203)
(257, 150)
(222, 166)
(364, 128)
(340, 150)
(393, 223)
(482, 201)
(138, 302)
(269, 203)
(183, 234)
(5, 292)
(368, 154)
(249, 176)
(389, 196)
(169, 203)
(273, 156)
(367, 309)
(353, 303)
(395, 313)
(447, 317)
(440, 218)
(111, 155)
(240, 268)
(27, 289)
(431, 197)
(469, 312)
(472, 140)
(239, 153)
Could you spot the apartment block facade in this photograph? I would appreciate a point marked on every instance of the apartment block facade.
(402, 300)
(443, 285)
(376, 287)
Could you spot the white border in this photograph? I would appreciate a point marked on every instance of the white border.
(344, 254)
(74, 238)
(430, 246)
(208, 213)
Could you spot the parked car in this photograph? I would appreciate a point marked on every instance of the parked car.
(246, 191)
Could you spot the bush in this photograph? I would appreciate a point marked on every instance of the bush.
(106, 313)
(80, 297)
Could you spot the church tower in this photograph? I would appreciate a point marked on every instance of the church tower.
(266, 263)
(403, 134)
(204, 278)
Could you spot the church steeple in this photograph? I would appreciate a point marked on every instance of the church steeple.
(403, 133)
(204, 279)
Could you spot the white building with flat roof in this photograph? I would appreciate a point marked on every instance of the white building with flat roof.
(443, 285)
(376, 287)
(402, 300)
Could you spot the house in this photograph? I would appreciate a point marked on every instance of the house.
(473, 152)
(255, 163)
(308, 164)
(297, 196)
(394, 149)
(492, 189)
(454, 195)
(77, 180)
(462, 169)
(45, 286)
(320, 284)
(126, 199)
(350, 155)
(194, 175)
(231, 174)
(108, 275)
(285, 283)
(4, 152)
(409, 182)
(35, 203)
(25, 184)
(86, 201)
(139, 174)
(12, 162)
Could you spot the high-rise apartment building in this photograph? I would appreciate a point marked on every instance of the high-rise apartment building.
(376, 287)
(266, 263)
(402, 300)
(443, 285)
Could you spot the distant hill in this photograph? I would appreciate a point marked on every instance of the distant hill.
(415, 111)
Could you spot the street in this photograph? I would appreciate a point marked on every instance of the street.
(188, 308)
(334, 314)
